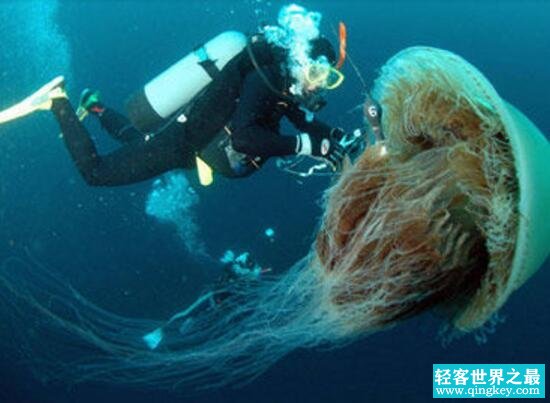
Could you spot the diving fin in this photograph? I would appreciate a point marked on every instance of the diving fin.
(154, 338)
(40, 100)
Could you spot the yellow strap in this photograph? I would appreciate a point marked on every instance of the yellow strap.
(206, 176)
(81, 113)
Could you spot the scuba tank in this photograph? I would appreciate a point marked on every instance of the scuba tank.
(175, 87)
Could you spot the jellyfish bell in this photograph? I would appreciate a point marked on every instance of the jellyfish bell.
(448, 212)
(531, 151)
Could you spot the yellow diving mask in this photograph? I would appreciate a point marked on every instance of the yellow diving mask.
(321, 74)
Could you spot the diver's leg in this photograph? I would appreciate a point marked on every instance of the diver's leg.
(114, 123)
(118, 126)
(131, 163)
(76, 137)
(134, 162)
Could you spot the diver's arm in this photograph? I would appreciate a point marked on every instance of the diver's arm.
(258, 141)
(318, 139)
(119, 126)
(314, 127)
(134, 162)
(251, 137)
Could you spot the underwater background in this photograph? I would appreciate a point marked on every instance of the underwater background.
(103, 241)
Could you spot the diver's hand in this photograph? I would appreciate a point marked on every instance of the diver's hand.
(335, 156)
(337, 134)
(326, 148)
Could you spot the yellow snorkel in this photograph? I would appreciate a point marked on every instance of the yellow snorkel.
(343, 36)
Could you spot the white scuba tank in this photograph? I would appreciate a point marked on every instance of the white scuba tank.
(181, 82)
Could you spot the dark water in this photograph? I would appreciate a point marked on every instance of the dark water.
(104, 244)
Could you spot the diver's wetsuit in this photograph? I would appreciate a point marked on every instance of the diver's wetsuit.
(239, 100)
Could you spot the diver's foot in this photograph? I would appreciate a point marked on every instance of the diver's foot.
(90, 102)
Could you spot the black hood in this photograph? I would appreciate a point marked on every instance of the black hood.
(321, 46)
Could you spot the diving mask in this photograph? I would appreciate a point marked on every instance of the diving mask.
(320, 74)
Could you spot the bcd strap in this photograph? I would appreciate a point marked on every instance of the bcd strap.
(211, 69)
(259, 70)
(233, 155)
(206, 63)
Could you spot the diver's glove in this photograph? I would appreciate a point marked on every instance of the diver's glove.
(325, 148)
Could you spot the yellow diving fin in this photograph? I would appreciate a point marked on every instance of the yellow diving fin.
(204, 171)
(40, 100)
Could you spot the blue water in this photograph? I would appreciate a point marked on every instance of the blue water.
(104, 244)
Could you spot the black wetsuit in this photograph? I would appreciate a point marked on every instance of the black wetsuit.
(237, 109)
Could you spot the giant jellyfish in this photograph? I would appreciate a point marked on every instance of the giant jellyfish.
(448, 213)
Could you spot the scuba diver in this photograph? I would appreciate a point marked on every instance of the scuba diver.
(237, 268)
(237, 271)
(217, 110)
